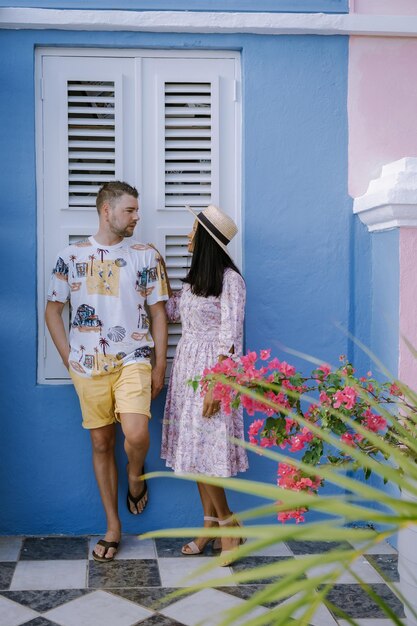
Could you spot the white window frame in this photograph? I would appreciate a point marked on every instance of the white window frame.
(40, 54)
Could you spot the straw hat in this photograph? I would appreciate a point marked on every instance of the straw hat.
(219, 225)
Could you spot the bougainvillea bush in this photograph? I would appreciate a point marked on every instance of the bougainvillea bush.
(293, 411)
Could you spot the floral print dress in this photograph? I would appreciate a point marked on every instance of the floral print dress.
(211, 327)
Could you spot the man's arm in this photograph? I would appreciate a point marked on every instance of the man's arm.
(55, 324)
(160, 337)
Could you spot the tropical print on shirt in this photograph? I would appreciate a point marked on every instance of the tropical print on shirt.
(108, 287)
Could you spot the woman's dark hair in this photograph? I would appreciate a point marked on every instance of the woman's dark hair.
(208, 263)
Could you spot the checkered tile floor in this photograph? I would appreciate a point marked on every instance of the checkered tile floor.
(52, 581)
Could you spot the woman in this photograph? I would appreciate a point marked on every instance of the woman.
(196, 434)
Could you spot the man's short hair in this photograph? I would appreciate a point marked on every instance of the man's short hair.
(109, 192)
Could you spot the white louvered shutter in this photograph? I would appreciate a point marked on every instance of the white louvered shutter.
(191, 109)
(166, 122)
(87, 105)
(177, 259)
(190, 150)
(92, 119)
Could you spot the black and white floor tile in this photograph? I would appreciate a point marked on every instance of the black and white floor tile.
(53, 581)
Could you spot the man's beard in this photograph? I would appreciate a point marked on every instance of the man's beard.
(127, 232)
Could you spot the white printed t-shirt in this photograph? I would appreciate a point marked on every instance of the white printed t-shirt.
(107, 287)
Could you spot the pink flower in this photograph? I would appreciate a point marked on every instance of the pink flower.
(338, 399)
(248, 404)
(223, 393)
(264, 354)
(274, 364)
(324, 398)
(369, 374)
(291, 478)
(297, 443)
(375, 423)
(395, 390)
(283, 469)
(278, 398)
(305, 483)
(286, 369)
(311, 412)
(346, 396)
(268, 442)
(289, 424)
(255, 427)
(249, 359)
(296, 514)
(350, 395)
(228, 366)
(348, 439)
(317, 482)
(325, 369)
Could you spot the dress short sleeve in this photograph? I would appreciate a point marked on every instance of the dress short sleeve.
(232, 305)
(173, 307)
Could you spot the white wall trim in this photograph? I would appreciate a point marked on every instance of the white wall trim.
(391, 199)
(137, 53)
(210, 22)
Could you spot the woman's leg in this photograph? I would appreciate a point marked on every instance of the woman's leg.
(209, 512)
(208, 506)
(217, 496)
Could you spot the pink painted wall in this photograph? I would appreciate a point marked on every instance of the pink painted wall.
(408, 305)
(384, 7)
(382, 105)
(382, 110)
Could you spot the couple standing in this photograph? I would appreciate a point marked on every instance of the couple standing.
(108, 279)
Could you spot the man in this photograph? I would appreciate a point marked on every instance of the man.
(108, 279)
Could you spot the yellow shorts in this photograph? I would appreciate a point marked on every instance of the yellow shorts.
(102, 398)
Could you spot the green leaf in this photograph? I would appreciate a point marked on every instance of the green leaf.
(235, 403)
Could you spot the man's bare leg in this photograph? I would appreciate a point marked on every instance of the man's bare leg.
(136, 431)
(103, 441)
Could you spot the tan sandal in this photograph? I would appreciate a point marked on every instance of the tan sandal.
(230, 521)
(193, 548)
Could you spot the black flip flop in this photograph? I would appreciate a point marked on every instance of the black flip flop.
(107, 545)
(136, 499)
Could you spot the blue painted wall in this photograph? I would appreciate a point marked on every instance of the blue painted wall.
(384, 323)
(276, 6)
(361, 290)
(298, 213)
(385, 298)
(298, 247)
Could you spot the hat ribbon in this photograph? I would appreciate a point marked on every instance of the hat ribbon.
(213, 229)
